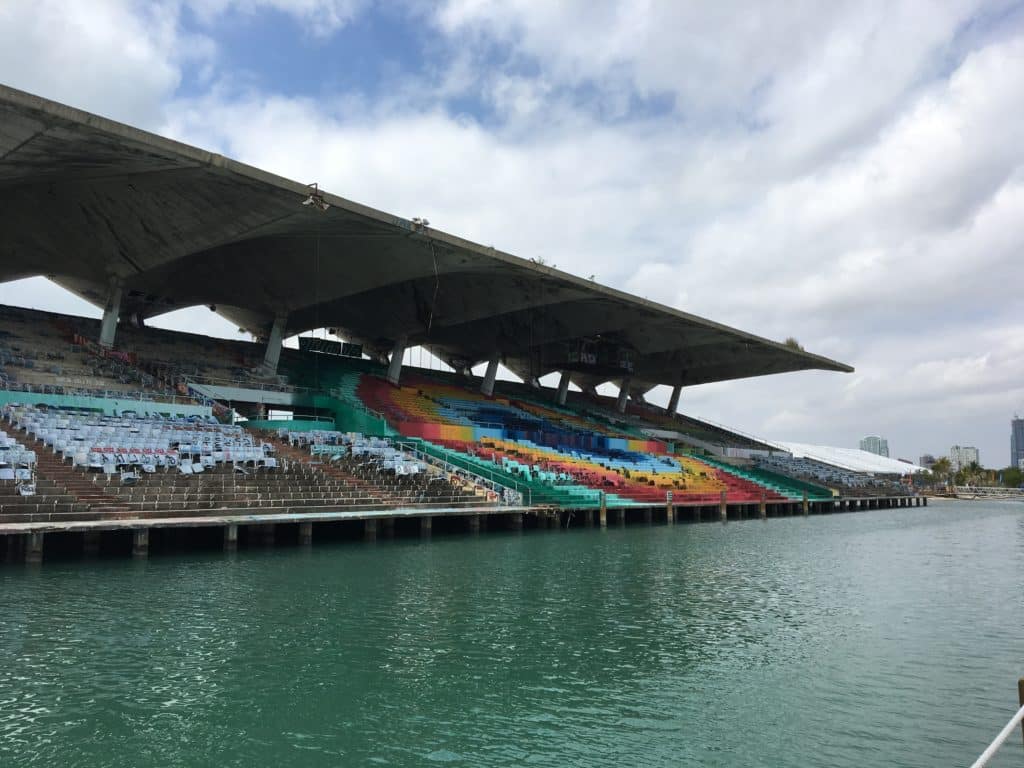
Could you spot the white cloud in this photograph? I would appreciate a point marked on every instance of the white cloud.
(321, 17)
(113, 57)
(841, 173)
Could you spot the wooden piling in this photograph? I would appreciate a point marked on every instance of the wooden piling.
(267, 534)
(91, 543)
(723, 508)
(34, 547)
(140, 543)
(1020, 698)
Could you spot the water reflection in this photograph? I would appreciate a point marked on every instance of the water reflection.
(889, 632)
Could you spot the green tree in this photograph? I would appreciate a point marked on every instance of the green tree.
(974, 474)
(1012, 477)
(792, 343)
(941, 468)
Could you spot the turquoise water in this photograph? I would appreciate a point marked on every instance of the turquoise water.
(881, 638)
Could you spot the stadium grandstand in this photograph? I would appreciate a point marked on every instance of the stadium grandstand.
(111, 420)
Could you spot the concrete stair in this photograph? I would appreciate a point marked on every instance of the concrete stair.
(75, 482)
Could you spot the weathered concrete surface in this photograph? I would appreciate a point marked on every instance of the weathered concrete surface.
(87, 200)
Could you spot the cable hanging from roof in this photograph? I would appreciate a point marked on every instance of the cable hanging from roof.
(437, 284)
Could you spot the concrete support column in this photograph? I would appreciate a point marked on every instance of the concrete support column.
(111, 311)
(588, 518)
(12, 551)
(267, 535)
(370, 530)
(230, 537)
(620, 404)
(487, 387)
(426, 526)
(673, 401)
(723, 507)
(306, 534)
(91, 543)
(696, 514)
(804, 505)
(473, 523)
(515, 521)
(563, 388)
(388, 527)
(140, 543)
(762, 507)
(34, 547)
(273, 353)
(670, 513)
(603, 512)
(395, 365)
(648, 516)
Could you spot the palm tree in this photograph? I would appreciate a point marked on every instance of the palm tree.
(974, 474)
(941, 468)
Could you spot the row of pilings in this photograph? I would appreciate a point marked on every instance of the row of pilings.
(140, 538)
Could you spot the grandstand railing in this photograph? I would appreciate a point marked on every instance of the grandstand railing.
(111, 394)
(500, 479)
(265, 386)
(262, 386)
(747, 435)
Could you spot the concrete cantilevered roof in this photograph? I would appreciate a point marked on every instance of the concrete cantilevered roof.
(87, 201)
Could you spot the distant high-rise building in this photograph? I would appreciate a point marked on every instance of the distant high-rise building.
(1017, 442)
(962, 455)
(927, 461)
(876, 445)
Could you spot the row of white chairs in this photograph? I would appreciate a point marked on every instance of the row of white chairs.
(76, 435)
(110, 459)
(385, 456)
(312, 437)
(14, 455)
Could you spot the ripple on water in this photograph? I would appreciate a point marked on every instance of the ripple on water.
(848, 640)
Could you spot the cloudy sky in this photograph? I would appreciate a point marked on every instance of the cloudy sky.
(851, 174)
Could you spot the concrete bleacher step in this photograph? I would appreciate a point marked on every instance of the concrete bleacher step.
(74, 482)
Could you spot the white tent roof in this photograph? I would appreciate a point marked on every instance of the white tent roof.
(851, 458)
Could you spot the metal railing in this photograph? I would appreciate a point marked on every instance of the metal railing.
(505, 481)
(358, 405)
(70, 391)
(1004, 734)
(261, 386)
(255, 384)
(988, 492)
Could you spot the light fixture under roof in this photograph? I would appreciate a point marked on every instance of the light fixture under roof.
(315, 199)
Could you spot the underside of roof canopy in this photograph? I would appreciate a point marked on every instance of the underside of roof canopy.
(91, 203)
